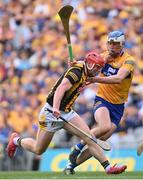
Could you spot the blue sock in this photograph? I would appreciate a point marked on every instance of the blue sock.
(79, 146)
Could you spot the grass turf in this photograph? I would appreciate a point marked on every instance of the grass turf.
(60, 175)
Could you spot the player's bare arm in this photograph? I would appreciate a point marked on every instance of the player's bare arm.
(60, 91)
(114, 79)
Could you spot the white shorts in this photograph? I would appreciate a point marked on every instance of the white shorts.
(49, 122)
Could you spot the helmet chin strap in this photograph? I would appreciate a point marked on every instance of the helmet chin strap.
(86, 70)
(90, 68)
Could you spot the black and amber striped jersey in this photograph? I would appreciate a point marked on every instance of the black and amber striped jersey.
(76, 76)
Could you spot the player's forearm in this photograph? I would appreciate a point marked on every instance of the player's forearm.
(58, 97)
(114, 79)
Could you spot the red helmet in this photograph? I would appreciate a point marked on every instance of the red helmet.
(94, 59)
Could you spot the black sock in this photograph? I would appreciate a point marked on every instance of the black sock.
(105, 164)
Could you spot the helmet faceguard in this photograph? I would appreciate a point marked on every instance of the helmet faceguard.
(116, 41)
(94, 62)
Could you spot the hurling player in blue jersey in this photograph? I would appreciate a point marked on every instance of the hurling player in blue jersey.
(112, 93)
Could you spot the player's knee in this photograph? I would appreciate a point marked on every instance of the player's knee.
(105, 128)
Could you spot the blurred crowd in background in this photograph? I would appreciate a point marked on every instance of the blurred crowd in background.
(33, 54)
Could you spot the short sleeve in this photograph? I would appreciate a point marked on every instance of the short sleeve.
(73, 75)
(129, 65)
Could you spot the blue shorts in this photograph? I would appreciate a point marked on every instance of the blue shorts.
(115, 110)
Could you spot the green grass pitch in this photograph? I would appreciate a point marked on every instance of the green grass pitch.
(59, 175)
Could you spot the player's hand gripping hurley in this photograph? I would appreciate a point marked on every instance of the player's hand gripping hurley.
(103, 144)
